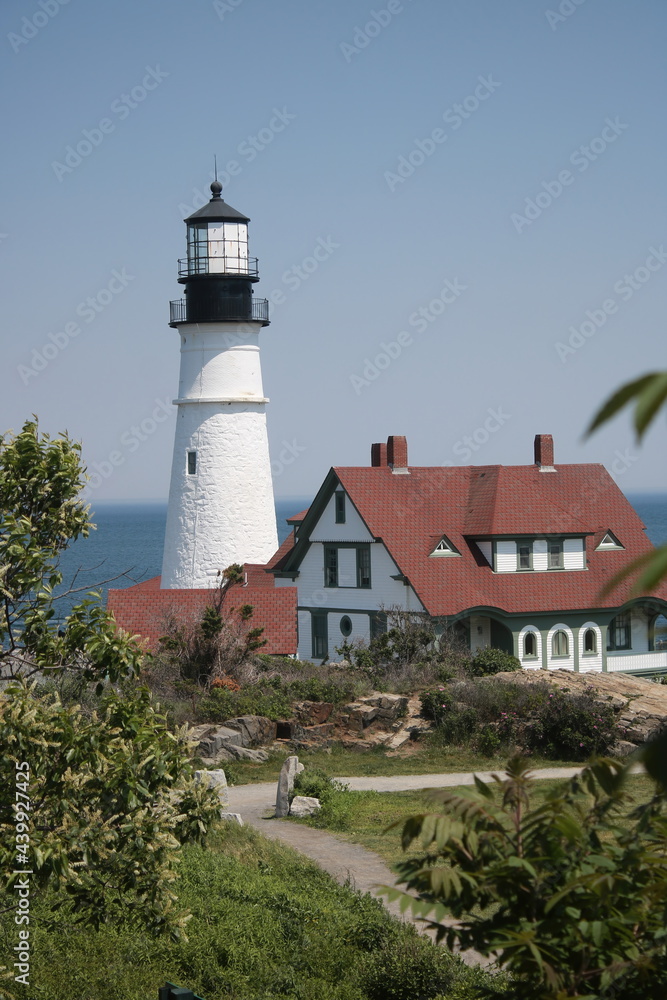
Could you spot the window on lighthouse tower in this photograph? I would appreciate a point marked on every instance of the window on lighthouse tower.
(192, 463)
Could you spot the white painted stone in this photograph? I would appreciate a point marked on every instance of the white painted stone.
(214, 779)
(304, 805)
(232, 817)
(224, 513)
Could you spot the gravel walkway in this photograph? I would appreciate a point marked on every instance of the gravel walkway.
(344, 861)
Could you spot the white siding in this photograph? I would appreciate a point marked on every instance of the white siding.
(540, 555)
(531, 662)
(305, 647)
(590, 661)
(505, 557)
(560, 662)
(354, 529)
(573, 553)
(383, 590)
(641, 661)
(480, 632)
(486, 548)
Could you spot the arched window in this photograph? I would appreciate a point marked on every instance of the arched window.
(657, 635)
(529, 645)
(618, 635)
(590, 641)
(559, 643)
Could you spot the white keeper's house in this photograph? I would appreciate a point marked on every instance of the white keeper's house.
(514, 557)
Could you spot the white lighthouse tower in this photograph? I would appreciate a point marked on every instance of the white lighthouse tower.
(221, 507)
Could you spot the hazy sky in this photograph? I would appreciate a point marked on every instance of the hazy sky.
(483, 182)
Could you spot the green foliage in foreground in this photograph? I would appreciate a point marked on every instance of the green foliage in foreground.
(90, 805)
(266, 924)
(40, 514)
(571, 894)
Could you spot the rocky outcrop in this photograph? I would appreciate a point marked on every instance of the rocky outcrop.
(312, 713)
(233, 739)
(255, 730)
(640, 705)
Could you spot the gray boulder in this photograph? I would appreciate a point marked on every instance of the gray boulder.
(231, 752)
(288, 773)
(254, 729)
(304, 805)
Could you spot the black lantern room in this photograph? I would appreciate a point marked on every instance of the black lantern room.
(217, 273)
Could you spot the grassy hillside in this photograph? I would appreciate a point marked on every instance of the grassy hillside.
(266, 924)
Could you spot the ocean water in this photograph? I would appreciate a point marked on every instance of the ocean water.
(127, 545)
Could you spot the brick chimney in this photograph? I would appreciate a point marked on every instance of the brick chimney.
(393, 454)
(378, 455)
(544, 452)
(397, 453)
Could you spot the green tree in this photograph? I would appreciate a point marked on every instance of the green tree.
(40, 514)
(569, 895)
(97, 806)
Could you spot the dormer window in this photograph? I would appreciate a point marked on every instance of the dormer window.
(555, 555)
(524, 555)
(609, 541)
(445, 548)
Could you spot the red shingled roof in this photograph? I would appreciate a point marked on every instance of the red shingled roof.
(410, 513)
(143, 609)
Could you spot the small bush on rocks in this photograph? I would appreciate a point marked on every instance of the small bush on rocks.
(492, 661)
(536, 718)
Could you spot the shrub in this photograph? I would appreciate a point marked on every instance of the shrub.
(411, 970)
(492, 661)
(488, 742)
(316, 783)
(572, 727)
(534, 717)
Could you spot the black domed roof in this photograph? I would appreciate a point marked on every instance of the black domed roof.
(217, 210)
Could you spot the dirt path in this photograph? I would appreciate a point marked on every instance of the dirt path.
(345, 861)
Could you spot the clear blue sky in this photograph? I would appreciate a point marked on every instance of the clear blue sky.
(403, 139)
